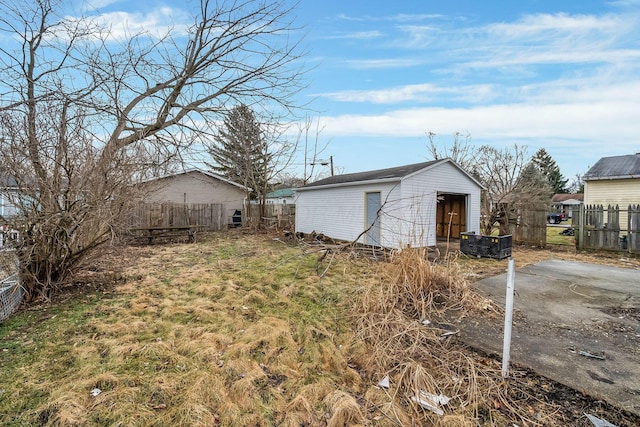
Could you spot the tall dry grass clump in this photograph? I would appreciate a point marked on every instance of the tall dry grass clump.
(408, 325)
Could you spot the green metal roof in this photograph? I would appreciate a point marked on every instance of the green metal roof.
(283, 192)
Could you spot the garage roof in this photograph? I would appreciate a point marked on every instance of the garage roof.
(389, 174)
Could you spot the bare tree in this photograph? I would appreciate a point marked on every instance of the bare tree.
(460, 150)
(83, 113)
(511, 182)
(310, 132)
(311, 147)
(577, 184)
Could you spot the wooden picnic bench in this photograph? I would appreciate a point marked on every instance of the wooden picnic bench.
(150, 233)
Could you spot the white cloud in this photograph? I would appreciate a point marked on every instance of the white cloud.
(383, 63)
(534, 39)
(361, 35)
(399, 17)
(577, 134)
(98, 4)
(158, 23)
(598, 121)
(551, 26)
(425, 92)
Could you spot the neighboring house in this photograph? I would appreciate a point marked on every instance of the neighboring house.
(566, 203)
(395, 207)
(8, 192)
(196, 186)
(614, 181)
(284, 196)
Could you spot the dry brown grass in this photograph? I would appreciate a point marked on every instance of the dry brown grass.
(419, 357)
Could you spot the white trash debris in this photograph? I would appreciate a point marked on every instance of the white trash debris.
(591, 355)
(95, 392)
(447, 334)
(598, 422)
(384, 383)
(430, 401)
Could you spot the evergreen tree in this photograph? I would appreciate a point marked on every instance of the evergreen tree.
(550, 169)
(240, 152)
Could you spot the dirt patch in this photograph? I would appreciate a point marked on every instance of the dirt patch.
(623, 313)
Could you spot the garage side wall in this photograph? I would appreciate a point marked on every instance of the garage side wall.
(420, 190)
(339, 212)
(195, 187)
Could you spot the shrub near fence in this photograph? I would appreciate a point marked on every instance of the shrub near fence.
(211, 216)
(610, 228)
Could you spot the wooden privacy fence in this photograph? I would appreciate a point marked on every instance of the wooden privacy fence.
(529, 227)
(276, 215)
(610, 228)
(210, 216)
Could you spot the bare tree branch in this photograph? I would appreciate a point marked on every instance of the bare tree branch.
(83, 115)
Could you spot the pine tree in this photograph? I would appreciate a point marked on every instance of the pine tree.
(550, 169)
(240, 152)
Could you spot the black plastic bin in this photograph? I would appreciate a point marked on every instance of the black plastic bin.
(470, 243)
(236, 218)
(498, 247)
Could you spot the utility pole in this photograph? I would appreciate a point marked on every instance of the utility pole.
(325, 163)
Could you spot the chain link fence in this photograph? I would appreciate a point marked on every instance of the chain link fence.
(11, 293)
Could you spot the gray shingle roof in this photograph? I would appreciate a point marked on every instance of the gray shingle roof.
(615, 167)
(397, 172)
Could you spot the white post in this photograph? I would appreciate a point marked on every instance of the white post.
(508, 315)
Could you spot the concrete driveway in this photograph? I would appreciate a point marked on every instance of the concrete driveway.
(575, 323)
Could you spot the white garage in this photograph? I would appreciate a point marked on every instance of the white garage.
(396, 207)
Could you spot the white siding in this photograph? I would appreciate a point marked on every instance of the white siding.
(420, 190)
(340, 212)
(7, 208)
(409, 207)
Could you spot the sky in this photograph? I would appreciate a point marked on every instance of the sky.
(382, 75)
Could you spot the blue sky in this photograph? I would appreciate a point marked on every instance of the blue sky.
(563, 75)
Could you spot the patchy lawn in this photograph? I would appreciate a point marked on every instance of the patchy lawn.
(555, 236)
(240, 330)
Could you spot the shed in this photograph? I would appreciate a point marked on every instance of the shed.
(396, 207)
(196, 186)
(614, 181)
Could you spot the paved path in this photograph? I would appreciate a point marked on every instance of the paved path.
(564, 308)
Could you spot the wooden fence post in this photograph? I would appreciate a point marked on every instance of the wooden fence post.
(581, 218)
